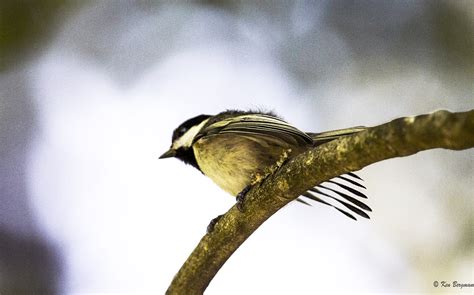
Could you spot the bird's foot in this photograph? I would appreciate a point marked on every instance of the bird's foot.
(258, 178)
(240, 198)
(212, 224)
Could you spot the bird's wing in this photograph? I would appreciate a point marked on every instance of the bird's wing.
(257, 125)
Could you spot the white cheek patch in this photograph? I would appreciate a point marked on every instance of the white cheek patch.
(187, 139)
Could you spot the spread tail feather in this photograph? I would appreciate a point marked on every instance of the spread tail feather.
(321, 193)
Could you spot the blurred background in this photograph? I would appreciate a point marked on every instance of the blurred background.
(90, 92)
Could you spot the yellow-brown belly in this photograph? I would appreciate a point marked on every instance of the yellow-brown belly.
(235, 161)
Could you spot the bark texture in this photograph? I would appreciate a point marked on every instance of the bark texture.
(398, 138)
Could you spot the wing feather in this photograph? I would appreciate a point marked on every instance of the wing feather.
(257, 124)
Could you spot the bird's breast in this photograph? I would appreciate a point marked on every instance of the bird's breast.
(233, 162)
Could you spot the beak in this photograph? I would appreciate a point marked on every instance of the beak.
(168, 154)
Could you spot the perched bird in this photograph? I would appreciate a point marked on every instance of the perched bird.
(238, 149)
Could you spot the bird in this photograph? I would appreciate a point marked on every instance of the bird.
(238, 149)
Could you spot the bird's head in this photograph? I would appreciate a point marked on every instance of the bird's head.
(182, 140)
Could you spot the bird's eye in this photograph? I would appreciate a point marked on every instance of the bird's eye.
(181, 131)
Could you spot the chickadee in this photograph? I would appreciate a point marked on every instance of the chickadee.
(238, 149)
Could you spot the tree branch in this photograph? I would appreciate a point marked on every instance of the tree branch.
(398, 138)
